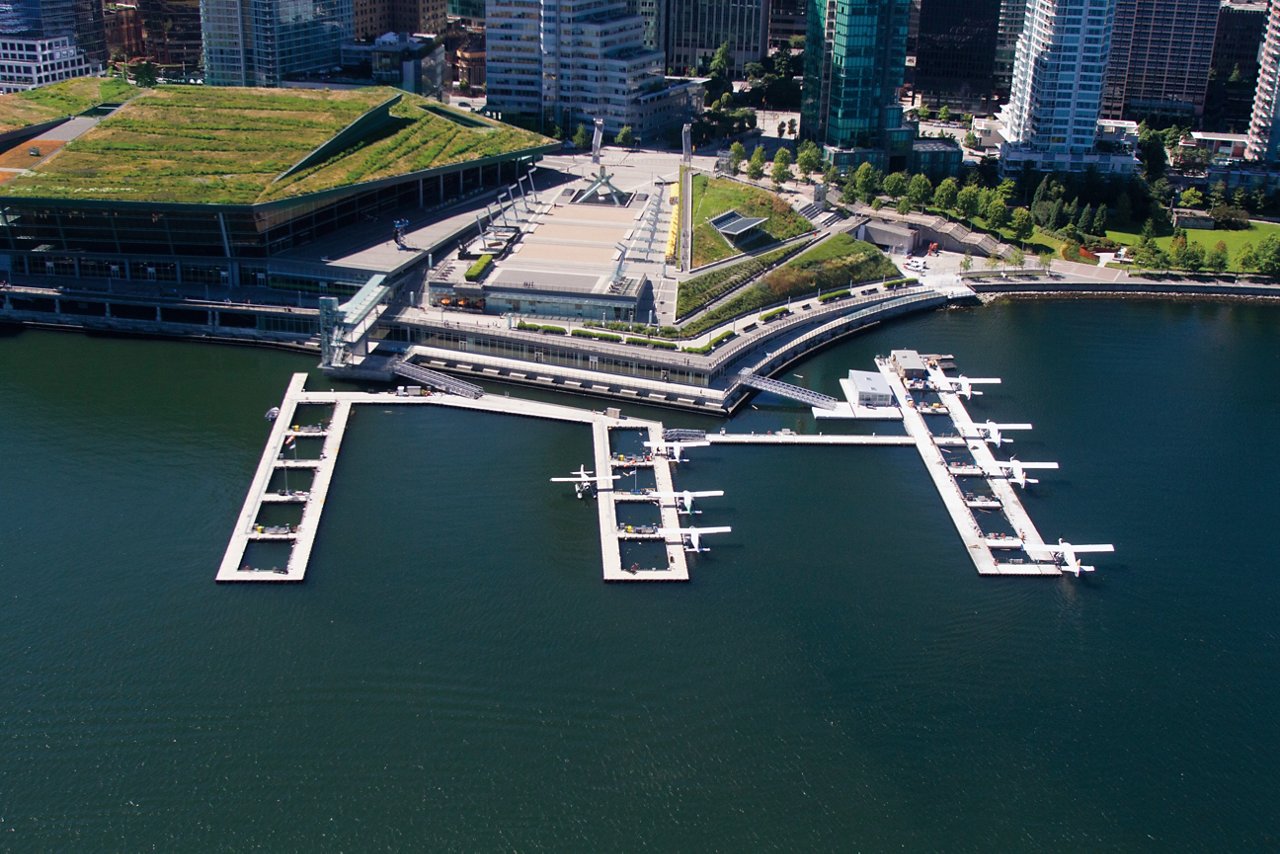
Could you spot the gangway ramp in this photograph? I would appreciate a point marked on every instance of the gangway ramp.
(437, 380)
(794, 392)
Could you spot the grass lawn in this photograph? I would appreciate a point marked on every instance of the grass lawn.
(1208, 238)
(68, 98)
(714, 196)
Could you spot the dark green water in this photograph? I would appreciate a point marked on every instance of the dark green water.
(454, 674)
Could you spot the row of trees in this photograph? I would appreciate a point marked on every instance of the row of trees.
(808, 160)
(1193, 257)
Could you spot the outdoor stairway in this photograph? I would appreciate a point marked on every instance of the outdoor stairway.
(810, 211)
(437, 380)
(794, 392)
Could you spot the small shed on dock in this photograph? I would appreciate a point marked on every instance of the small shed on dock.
(870, 389)
(909, 364)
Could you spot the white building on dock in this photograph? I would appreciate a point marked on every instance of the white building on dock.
(870, 389)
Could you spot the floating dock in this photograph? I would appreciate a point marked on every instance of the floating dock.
(979, 545)
(301, 537)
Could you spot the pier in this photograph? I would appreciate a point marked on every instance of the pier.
(978, 545)
(301, 537)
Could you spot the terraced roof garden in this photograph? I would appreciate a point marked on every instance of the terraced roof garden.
(225, 145)
(56, 101)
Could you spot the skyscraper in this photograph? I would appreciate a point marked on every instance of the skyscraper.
(1008, 29)
(853, 66)
(1264, 129)
(1161, 51)
(373, 18)
(573, 61)
(1233, 80)
(171, 32)
(79, 20)
(1051, 120)
(261, 42)
(695, 29)
(955, 52)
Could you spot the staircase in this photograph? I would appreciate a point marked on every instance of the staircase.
(794, 392)
(437, 380)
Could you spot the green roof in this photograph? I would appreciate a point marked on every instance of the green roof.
(59, 100)
(224, 145)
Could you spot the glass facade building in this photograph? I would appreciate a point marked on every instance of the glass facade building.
(853, 69)
(695, 29)
(79, 20)
(1161, 52)
(956, 51)
(261, 42)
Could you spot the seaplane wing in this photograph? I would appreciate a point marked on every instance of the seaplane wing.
(1006, 426)
(1098, 548)
(689, 532)
(1029, 466)
(706, 493)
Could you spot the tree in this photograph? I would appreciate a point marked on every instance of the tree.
(808, 158)
(994, 261)
(831, 176)
(919, 190)
(1216, 259)
(968, 201)
(966, 263)
(904, 206)
(580, 137)
(1191, 198)
(1218, 194)
(944, 196)
(1151, 153)
(1017, 258)
(782, 129)
(626, 138)
(718, 79)
(1022, 224)
(1247, 259)
(737, 154)
(781, 167)
(755, 166)
(144, 74)
(971, 140)
(1268, 256)
(944, 114)
(867, 181)
(895, 185)
(1099, 220)
(996, 213)
(753, 70)
(924, 113)
(1045, 259)
(791, 126)
(1084, 222)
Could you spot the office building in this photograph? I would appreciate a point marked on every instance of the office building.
(79, 21)
(1051, 120)
(1008, 30)
(695, 29)
(1264, 128)
(573, 61)
(1233, 78)
(375, 18)
(955, 53)
(471, 10)
(1161, 51)
(263, 42)
(172, 35)
(853, 68)
(26, 63)
(787, 19)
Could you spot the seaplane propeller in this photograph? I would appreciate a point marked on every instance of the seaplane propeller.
(1067, 554)
(691, 538)
(584, 481)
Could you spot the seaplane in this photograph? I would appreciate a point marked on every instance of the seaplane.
(1067, 554)
(674, 450)
(992, 432)
(965, 385)
(691, 538)
(1016, 471)
(584, 481)
(684, 500)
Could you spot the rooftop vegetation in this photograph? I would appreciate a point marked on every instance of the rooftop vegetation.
(223, 145)
(68, 98)
(714, 196)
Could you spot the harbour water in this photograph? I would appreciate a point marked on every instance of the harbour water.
(454, 674)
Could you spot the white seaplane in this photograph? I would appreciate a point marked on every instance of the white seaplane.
(584, 481)
(691, 538)
(1016, 471)
(993, 432)
(674, 450)
(1068, 554)
(684, 500)
(965, 385)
